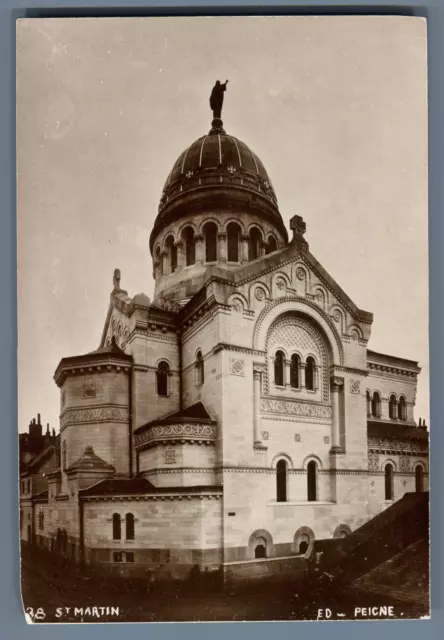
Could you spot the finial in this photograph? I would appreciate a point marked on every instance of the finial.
(216, 102)
(116, 280)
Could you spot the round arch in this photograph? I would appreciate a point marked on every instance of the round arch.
(303, 541)
(312, 458)
(341, 531)
(282, 456)
(304, 307)
(259, 537)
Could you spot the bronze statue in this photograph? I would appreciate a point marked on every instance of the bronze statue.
(217, 98)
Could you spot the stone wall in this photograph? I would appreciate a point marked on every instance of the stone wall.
(177, 531)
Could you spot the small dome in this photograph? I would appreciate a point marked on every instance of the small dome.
(218, 171)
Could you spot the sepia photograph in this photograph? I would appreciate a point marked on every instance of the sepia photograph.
(223, 373)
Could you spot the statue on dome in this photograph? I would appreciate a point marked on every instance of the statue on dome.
(217, 98)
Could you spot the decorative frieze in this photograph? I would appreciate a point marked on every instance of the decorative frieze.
(294, 408)
(389, 445)
(95, 414)
(190, 433)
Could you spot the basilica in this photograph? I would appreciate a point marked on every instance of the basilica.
(238, 416)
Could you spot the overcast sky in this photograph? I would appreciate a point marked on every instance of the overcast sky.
(334, 106)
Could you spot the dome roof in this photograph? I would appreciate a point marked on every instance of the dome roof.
(217, 169)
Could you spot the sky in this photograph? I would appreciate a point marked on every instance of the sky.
(334, 106)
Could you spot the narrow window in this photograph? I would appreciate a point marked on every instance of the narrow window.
(210, 233)
(162, 374)
(200, 373)
(393, 407)
(279, 362)
(312, 480)
(402, 409)
(281, 481)
(190, 246)
(260, 550)
(376, 405)
(64, 456)
(272, 244)
(254, 244)
(129, 522)
(117, 556)
(419, 479)
(129, 556)
(233, 241)
(159, 262)
(117, 533)
(388, 482)
(294, 371)
(310, 374)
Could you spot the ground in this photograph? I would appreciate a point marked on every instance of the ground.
(52, 586)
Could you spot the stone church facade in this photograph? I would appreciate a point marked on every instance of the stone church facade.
(238, 416)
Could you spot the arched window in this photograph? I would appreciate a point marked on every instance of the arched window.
(294, 371)
(260, 550)
(233, 242)
(271, 244)
(310, 374)
(254, 244)
(210, 233)
(200, 373)
(388, 471)
(172, 253)
(129, 526)
(279, 362)
(376, 405)
(281, 481)
(117, 527)
(312, 481)
(392, 407)
(190, 246)
(419, 478)
(402, 409)
(162, 374)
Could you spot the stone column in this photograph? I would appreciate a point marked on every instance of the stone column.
(180, 255)
(336, 384)
(222, 252)
(369, 405)
(199, 239)
(302, 376)
(287, 373)
(244, 248)
(262, 248)
(257, 378)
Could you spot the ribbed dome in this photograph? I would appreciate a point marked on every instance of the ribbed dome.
(221, 153)
(217, 171)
